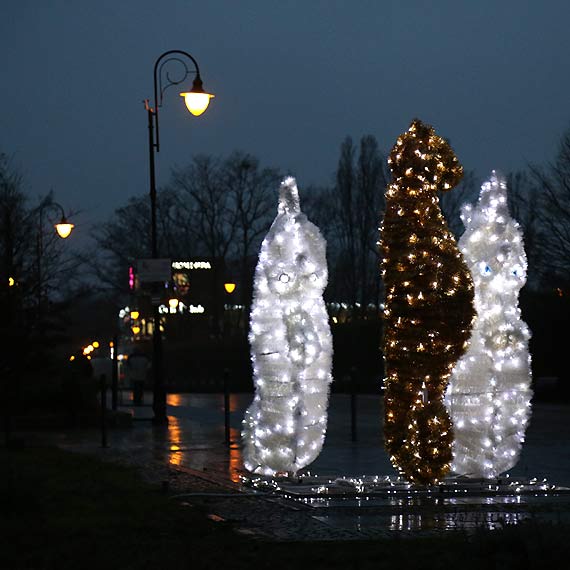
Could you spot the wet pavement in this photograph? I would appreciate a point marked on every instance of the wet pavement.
(191, 457)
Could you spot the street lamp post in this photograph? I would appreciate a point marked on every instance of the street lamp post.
(63, 229)
(197, 101)
(13, 314)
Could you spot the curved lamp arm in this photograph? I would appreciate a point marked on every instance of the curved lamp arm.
(160, 87)
(63, 227)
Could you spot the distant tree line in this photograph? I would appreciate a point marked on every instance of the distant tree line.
(36, 285)
(222, 208)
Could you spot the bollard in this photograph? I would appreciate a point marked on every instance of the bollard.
(353, 409)
(138, 392)
(115, 375)
(103, 386)
(227, 406)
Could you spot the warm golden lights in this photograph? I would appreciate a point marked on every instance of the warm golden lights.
(230, 287)
(429, 304)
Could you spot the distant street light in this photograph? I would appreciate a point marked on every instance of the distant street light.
(63, 229)
(197, 101)
(230, 287)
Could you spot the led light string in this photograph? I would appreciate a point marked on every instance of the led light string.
(291, 345)
(489, 393)
(429, 304)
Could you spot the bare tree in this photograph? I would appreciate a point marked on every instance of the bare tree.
(15, 245)
(253, 194)
(359, 200)
(466, 192)
(549, 204)
(372, 178)
(208, 206)
(345, 191)
(15, 224)
(121, 241)
(527, 209)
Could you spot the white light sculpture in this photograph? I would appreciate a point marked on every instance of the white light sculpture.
(489, 394)
(291, 345)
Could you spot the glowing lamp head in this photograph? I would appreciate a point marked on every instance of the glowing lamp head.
(135, 315)
(197, 100)
(173, 303)
(136, 329)
(64, 228)
(230, 287)
(95, 344)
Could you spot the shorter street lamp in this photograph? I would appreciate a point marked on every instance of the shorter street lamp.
(63, 229)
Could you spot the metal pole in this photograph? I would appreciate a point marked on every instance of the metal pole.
(114, 375)
(159, 393)
(103, 385)
(40, 253)
(227, 406)
(353, 410)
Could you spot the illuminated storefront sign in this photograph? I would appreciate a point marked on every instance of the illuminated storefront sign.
(181, 308)
(191, 265)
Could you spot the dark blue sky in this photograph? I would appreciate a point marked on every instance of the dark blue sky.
(292, 78)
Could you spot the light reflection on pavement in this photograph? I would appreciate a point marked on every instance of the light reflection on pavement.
(195, 438)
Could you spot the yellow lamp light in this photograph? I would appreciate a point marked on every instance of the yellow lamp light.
(173, 303)
(230, 287)
(197, 100)
(135, 315)
(11, 282)
(136, 329)
(71, 358)
(95, 344)
(64, 228)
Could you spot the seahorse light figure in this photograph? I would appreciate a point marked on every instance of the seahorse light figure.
(429, 304)
(291, 344)
(489, 394)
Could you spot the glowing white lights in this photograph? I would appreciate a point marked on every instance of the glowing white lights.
(489, 394)
(291, 344)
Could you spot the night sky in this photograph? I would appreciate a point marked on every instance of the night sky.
(291, 78)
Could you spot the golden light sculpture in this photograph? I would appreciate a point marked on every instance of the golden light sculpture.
(429, 307)
(230, 287)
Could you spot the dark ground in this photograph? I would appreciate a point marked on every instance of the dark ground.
(63, 510)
